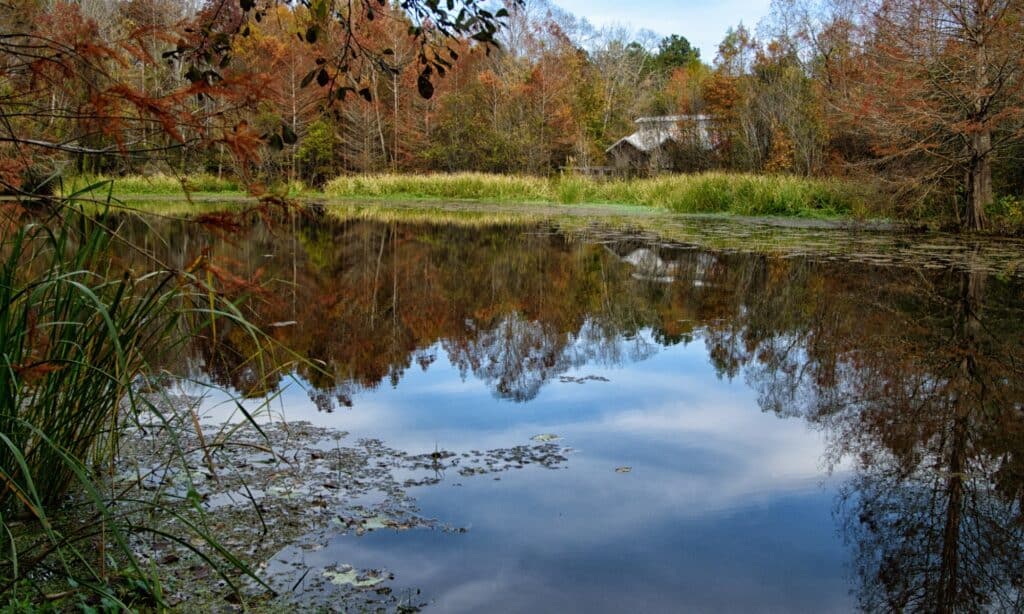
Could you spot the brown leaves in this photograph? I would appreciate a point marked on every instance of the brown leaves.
(161, 109)
(220, 222)
(721, 94)
(243, 142)
(36, 345)
(32, 373)
(226, 283)
(11, 169)
(10, 216)
(84, 87)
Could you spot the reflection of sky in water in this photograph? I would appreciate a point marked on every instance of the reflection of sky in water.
(726, 507)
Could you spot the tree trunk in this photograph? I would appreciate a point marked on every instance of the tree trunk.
(979, 188)
(979, 185)
(949, 588)
(968, 396)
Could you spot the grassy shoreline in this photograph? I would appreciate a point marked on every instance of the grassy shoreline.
(739, 194)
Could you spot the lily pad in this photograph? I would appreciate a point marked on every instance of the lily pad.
(545, 437)
(378, 522)
(347, 575)
(374, 523)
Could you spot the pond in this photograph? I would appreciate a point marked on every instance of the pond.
(576, 415)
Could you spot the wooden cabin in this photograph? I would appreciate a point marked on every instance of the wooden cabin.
(663, 143)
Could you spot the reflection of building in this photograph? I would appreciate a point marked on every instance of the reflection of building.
(649, 266)
(664, 143)
(665, 263)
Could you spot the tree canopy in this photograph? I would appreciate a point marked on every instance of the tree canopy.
(921, 100)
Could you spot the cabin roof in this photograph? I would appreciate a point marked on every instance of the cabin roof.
(644, 140)
(672, 119)
(656, 131)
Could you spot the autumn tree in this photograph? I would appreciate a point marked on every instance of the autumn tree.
(74, 89)
(531, 107)
(74, 85)
(790, 109)
(941, 88)
(624, 62)
(729, 97)
(271, 48)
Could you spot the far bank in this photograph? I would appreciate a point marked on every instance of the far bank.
(713, 192)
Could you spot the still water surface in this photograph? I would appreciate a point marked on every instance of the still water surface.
(740, 431)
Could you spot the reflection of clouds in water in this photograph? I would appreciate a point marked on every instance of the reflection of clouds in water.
(463, 581)
(702, 455)
(478, 595)
(691, 473)
(697, 445)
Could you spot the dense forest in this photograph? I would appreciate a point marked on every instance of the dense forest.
(922, 97)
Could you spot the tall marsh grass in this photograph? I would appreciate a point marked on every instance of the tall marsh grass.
(158, 184)
(78, 336)
(74, 339)
(466, 186)
(714, 192)
(742, 194)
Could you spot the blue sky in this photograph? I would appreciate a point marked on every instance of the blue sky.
(702, 22)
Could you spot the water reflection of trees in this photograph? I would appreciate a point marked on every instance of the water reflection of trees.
(916, 381)
(937, 497)
(914, 376)
(510, 306)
